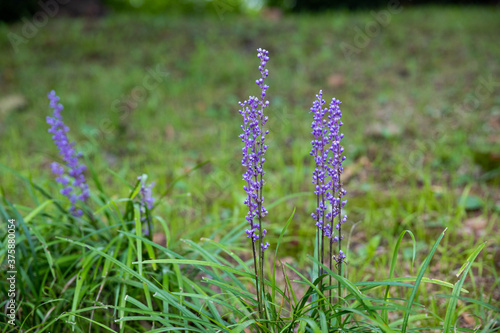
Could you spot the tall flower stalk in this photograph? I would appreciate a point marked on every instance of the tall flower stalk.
(327, 152)
(253, 151)
(320, 153)
(337, 192)
(71, 176)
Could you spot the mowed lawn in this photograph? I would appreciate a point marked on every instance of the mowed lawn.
(159, 95)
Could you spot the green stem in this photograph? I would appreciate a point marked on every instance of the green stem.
(322, 235)
(256, 277)
(340, 231)
(330, 296)
(260, 146)
(318, 231)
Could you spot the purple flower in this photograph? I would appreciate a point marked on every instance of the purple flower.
(75, 187)
(146, 201)
(335, 167)
(341, 256)
(320, 153)
(253, 137)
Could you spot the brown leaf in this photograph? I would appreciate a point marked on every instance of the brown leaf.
(495, 122)
(159, 238)
(169, 132)
(336, 80)
(362, 165)
(384, 130)
(272, 14)
(469, 320)
(476, 225)
(12, 103)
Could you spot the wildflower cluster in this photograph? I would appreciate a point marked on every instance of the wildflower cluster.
(75, 187)
(327, 152)
(253, 137)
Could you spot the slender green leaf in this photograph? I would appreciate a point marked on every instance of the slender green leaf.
(288, 197)
(385, 314)
(472, 300)
(311, 323)
(37, 210)
(242, 325)
(273, 276)
(197, 263)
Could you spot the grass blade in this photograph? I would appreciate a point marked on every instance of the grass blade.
(273, 276)
(418, 280)
(36, 211)
(385, 314)
(450, 311)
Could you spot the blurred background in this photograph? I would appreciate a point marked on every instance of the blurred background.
(14, 10)
(153, 87)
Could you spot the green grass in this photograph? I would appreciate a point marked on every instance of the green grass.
(412, 154)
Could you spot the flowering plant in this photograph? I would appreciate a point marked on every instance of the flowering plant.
(253, 151)
(71, 176)
(327, 152)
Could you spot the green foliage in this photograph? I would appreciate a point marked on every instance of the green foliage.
(155, 6)
(105, 274)
(177, 7)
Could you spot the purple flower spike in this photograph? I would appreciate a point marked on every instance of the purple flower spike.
(253, 137)
(75, 186)
(335, 167)
(320, 153)
(327, 152)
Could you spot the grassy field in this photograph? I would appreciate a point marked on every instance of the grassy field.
(159, 95)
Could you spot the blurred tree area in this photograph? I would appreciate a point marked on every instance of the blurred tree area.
(177, 6)
(14, 10)
(319, 5)
(11, 10)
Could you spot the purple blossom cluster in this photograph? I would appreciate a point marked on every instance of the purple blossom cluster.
(327, 152)
(75, 187)
(146, 191)
(253, 137)
(335, 167)
(320, 154)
